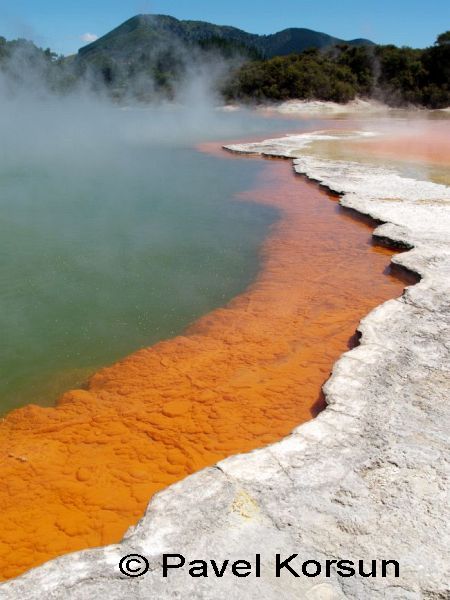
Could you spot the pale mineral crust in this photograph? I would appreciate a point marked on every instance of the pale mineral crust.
(367, 479)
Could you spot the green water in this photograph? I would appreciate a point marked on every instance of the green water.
(107, 248)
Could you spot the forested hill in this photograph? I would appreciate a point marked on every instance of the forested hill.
(396, 76)
(143, 32)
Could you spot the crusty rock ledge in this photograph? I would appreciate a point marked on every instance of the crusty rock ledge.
(368, 478)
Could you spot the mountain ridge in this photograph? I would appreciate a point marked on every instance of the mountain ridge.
(144, 30)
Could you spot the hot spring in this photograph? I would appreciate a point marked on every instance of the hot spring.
(115, 233)
(225, 288)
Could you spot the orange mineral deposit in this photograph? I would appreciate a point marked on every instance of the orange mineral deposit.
(78, 475)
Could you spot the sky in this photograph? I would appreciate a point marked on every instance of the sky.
(66, 25)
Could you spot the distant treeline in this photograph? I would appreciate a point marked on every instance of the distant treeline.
(25, 66)
(397, 76)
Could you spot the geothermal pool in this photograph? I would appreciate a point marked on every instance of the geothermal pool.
(98, 264)
(112, 242)
(179, 233)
